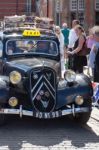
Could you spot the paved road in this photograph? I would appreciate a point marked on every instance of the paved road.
(32, 134)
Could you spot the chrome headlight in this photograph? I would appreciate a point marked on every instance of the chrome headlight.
(70, 76)
(15, 77)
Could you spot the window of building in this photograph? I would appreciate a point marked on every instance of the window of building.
(97, 12)
(77, 10)
(81, 4)
(73, 5)
(97, 18)
(76, 5)
(97, 5)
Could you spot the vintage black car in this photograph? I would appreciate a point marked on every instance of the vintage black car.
(30, 78)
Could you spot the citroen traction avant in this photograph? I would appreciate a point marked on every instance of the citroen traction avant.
(30, 81)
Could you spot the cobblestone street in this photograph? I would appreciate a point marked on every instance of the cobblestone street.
(61, 134)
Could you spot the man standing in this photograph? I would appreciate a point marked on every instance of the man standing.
(61, 45)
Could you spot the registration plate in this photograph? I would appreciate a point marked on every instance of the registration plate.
(47, 115)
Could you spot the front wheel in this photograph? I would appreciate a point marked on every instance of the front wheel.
(83, 118)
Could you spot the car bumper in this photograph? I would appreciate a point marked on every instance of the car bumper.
(54, 114)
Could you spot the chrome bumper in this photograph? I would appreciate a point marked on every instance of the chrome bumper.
(42, 115)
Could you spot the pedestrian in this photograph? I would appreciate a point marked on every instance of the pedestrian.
(61, 45)
(90, 41)
(65, 30)
(72, 34)
(72, 39)
(93, 62)
(78, 60)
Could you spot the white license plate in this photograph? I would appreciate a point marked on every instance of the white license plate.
(47, 115)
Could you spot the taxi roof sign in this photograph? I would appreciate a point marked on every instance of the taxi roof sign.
(35, 33)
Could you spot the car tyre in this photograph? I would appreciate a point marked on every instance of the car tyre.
(82, 118)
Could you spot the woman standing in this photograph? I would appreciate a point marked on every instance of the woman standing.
(78, 60)
(61, 42)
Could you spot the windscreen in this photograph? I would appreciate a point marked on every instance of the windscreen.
(28, 46)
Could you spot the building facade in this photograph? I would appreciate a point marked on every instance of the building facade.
(87, 11)
(17, 7)
(29, 7)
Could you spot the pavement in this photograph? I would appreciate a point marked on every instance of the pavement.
(59, 134)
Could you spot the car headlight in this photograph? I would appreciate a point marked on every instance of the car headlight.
(15, 77)
(70, 76)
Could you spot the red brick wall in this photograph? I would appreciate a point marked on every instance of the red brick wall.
(89, 13)
(10, 7)
(13, 7)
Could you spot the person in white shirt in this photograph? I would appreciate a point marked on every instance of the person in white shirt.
(72, 34)
(61, 42)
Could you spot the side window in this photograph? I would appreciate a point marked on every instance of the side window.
(1, 48)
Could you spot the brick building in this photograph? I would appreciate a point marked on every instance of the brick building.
(29, 7)
(87, 11)
(16, 7)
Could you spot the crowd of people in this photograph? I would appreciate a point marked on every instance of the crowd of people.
(80, 48)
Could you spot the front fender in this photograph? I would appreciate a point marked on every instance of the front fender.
(4, 89)
(67, 95)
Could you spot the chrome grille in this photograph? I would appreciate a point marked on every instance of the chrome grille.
(43, 89)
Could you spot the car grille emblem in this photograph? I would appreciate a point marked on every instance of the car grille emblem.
(35, 76)
(41, 92)
(45, 103)
(48, 75)
(38, 97)
(47, 94)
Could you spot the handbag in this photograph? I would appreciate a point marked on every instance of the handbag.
(84, 51)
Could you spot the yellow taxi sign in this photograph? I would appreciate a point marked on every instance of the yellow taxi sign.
(31, 33)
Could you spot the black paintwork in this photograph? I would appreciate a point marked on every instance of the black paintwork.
(47, 67)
